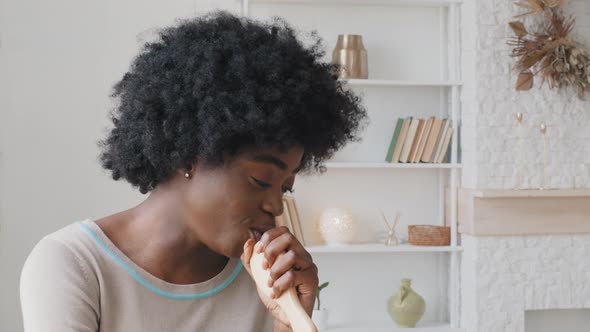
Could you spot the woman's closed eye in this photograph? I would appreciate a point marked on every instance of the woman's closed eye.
(266, 185)
(261, 184)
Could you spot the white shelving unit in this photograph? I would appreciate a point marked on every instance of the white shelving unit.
(391, 91)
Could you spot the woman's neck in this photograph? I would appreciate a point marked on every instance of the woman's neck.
(156, 236)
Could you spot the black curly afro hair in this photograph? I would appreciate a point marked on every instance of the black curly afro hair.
(213, 85)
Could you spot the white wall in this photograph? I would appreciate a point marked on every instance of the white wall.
(490, 104)
(58, 62)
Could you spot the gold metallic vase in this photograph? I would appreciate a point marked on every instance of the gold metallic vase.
(351, 55)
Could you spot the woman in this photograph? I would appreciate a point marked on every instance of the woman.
(213, 120)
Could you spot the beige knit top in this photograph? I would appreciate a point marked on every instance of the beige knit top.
(76, 279)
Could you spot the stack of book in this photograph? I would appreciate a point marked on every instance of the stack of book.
(420, 140)
(290, 218)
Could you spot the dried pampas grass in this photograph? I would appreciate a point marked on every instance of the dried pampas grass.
(550, 53)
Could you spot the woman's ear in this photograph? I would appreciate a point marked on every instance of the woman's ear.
(186, 172)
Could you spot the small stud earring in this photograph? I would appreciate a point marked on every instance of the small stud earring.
(187, 175)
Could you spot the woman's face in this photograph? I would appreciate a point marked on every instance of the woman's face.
(240, 200)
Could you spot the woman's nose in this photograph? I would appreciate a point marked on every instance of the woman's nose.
(274, 204)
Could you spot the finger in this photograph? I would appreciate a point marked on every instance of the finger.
(288, 261)
(305, 281)
(247, 254)
(276, 247)
(286, 281)
(272, 234)
(285, 242)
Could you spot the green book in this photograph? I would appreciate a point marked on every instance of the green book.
(394, 138)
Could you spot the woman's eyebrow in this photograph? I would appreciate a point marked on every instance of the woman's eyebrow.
(270, 159)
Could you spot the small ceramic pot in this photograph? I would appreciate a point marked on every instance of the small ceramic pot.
(320, 318)
(337, 226)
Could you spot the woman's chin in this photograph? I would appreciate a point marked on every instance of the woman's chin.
(238, 249)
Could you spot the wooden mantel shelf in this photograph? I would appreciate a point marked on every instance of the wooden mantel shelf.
(522, 212)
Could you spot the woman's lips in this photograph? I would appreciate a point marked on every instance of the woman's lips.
(256, 234)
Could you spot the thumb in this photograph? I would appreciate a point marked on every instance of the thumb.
(247, 255)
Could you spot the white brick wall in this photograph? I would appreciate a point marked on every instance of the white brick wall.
(489, 137)
(502, 276)
(505, 275)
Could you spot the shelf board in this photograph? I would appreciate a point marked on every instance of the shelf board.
(391, 326)
(429, 3)
(401, 83)
(378, 248)
(362, 165)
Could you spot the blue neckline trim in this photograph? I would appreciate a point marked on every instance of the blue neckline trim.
(163, 293)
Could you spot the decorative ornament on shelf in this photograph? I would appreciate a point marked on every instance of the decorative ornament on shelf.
(351, 56)
(550, 52)
(338, 226)
(391, 236)
(406, 307)
(429, 235)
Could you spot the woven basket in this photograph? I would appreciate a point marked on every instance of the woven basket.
(429, 235)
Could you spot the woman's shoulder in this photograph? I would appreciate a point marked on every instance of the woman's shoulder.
(73, 238)
(58, 281)
(69, 248)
